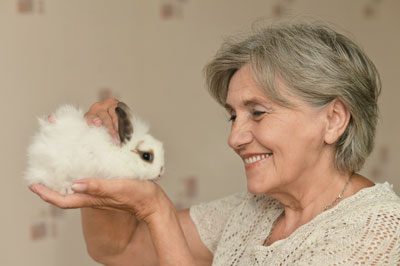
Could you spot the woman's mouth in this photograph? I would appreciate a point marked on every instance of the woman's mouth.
(254, 159)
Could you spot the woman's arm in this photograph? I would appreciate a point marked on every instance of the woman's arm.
(159, 239)
(107, 232)
(124, 240)
(114, 236)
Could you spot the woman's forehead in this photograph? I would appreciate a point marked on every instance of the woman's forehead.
(243, 89)
(247, 101)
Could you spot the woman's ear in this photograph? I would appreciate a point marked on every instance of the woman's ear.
(338, 117)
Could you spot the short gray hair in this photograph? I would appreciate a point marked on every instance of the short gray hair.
(318, 65)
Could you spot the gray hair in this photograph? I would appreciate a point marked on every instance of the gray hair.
(318, 65)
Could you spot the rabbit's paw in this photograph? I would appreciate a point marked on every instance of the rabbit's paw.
(64, 188)
(69, 191)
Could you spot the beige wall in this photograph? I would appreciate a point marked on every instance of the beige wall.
(76, 47)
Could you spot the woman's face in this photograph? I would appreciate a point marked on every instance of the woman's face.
(279, 146)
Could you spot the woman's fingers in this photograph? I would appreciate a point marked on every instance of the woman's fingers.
(103, 113)
(51, 119)
(73, 201)
(93, 120)
(137, 197)
(127, 194)
(108, 123)
(107, 188)
(63, 201)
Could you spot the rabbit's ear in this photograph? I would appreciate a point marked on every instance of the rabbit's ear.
(125, 128)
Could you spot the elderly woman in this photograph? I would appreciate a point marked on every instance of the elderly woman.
(302, 101)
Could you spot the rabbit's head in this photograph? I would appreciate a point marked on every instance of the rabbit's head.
(146, 152)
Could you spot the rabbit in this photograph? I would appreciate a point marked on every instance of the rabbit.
(69, 149)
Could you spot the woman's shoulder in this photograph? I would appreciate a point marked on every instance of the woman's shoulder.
(379, 195)
(378, 206)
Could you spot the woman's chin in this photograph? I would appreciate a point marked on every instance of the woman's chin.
(256, 188)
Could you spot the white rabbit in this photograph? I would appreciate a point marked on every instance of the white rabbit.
(69, 149)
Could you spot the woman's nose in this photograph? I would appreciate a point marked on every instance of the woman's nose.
(240, 135)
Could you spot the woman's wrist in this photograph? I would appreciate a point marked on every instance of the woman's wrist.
(162, 209)
(165, 228)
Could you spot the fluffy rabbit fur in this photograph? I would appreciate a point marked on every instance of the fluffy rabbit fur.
(68, 149)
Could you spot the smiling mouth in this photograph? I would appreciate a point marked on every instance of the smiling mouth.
(256, 158)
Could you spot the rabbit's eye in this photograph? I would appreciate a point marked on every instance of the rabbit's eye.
(147, 156)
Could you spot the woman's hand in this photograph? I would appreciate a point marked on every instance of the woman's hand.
(140, 198)
(103, 113)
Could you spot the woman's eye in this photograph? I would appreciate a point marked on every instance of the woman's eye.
(256, 113)
(232, 118)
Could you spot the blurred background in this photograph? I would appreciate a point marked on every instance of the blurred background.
(150, 54)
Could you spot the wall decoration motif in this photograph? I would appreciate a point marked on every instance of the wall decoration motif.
(371, 8)
(41, 6)
(106, 93)
(281, 8)
(30, 6)
(188, 192)
(25, 6)
(46, 224)
(170, 9)
(38, 231)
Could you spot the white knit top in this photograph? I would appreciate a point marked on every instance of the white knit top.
(363, 229)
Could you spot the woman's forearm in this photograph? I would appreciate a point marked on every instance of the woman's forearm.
(107, 232)
(168, 237)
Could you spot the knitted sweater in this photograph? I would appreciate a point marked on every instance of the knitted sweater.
(363, 229)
